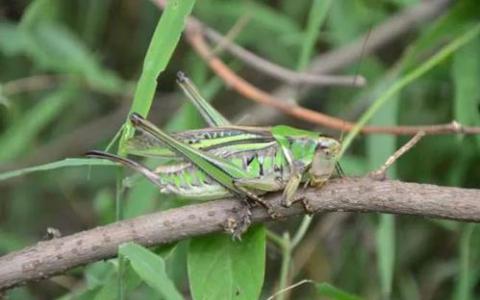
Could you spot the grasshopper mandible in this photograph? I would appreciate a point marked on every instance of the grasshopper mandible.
(226, 160)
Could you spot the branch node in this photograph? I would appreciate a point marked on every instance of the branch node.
(380, 174)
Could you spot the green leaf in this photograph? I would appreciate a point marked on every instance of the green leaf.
(262, 17)
(219, 268)
(469, 34)
(40, 11)
(380, 147)
(466, 77)
(13, 41)
(316, 17)
(69, 162)
(151, 269)
(163, 43)
(17, 137)
(11, 242)
(386, 252)
(448, 26)
(54, 47)
(464, 284)
(333, 293)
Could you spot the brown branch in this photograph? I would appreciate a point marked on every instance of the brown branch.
(30, 84)
(379, 36)
(264, 65)
(336, 59)
(279, 72)
(56, 256)
(380, 174)
(398, 24)
(253, 93)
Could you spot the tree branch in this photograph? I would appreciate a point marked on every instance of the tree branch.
(251, 92)
(263, 65)
(380, 36)
(48, 258)
(397, 25)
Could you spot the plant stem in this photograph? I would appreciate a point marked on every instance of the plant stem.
(275, 238)
(119, 217)
(297, 238)
(286, 259)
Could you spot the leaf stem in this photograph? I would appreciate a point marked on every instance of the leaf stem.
(286, 261)
(276, 239)
(297, 238)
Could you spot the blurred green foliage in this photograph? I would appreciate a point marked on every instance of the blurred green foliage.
(70, 66)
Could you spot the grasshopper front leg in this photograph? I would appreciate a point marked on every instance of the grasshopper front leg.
(295, 175)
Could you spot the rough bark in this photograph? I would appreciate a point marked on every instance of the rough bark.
(48, 258)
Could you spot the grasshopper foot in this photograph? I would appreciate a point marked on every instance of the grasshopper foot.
(240, 222)
(307, 207)
(254, 199)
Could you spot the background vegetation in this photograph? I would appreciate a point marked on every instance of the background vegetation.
(69, 72)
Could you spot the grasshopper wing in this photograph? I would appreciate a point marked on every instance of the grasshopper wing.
(207, 139)
(217, 168)
(220, 133)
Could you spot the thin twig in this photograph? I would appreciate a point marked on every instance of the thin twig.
(56, 256)
(253, 93)
(301, 282)
(325, 227)
(380, 173)
(232, 33)
(281, 73)
(264, 65)
(379, 36)
(30, 84)
(336, 59)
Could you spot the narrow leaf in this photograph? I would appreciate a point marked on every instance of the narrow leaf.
(69, 162)
(151, 268)
(163, 43)
(380, 147)
(316, 18)
(463, 289)
(466, 77)
(15, 140)
(468, 35)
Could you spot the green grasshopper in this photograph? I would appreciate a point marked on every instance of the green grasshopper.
(226, 160)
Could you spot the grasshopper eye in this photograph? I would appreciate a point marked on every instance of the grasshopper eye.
(328, 145)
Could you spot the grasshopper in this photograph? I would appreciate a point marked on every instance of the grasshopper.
(225, 160)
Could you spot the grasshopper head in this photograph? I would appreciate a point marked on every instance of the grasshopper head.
(324, 160)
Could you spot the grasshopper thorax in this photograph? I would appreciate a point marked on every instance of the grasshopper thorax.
(324, 160)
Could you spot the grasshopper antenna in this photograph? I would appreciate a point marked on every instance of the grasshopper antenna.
(356, 78)
(149, 174)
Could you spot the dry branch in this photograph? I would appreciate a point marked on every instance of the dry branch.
(264, 65)
(251, 92)
(56, 256)
(383, 34)
(397, 26)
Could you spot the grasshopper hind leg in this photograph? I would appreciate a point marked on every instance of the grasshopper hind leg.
(149, 174)
(252, 198)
